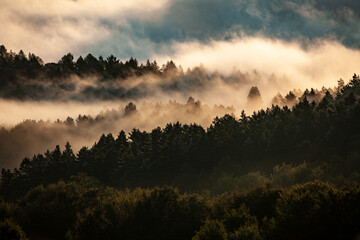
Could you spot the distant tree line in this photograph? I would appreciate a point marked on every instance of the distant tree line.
(28, 77)
(15, 65)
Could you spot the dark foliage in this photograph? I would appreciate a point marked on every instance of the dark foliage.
(83, 209)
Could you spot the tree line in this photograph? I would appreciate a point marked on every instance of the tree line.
(25, 77)
(321, 138)
(28, 77)
(15, 65)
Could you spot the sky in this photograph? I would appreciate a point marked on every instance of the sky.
(150, 29)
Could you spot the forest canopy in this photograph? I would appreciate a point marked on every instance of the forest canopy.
(311, 140)
(289, 171)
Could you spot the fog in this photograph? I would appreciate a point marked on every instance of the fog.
(315, 64)
(222, 82)
(32, 137)
(219, 65)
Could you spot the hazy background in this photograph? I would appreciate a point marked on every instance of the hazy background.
(228, 47)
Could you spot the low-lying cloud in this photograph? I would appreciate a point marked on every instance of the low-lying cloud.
(319, 64)
(32, 137)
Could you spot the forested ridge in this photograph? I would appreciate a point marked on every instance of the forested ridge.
(291, 171)
(25, 77)
(21, 65)
(95, 194)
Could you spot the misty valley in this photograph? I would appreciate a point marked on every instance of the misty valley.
(99, 148)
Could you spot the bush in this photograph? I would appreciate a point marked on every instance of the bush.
(211, 230)
(11, 231)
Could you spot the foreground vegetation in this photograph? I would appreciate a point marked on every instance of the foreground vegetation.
(82, 209)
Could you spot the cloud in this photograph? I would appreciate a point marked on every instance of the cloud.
(53, 28)
(142, 28)
(31, 137)
(203, 20)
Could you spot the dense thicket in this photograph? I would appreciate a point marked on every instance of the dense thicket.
(82, 209)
